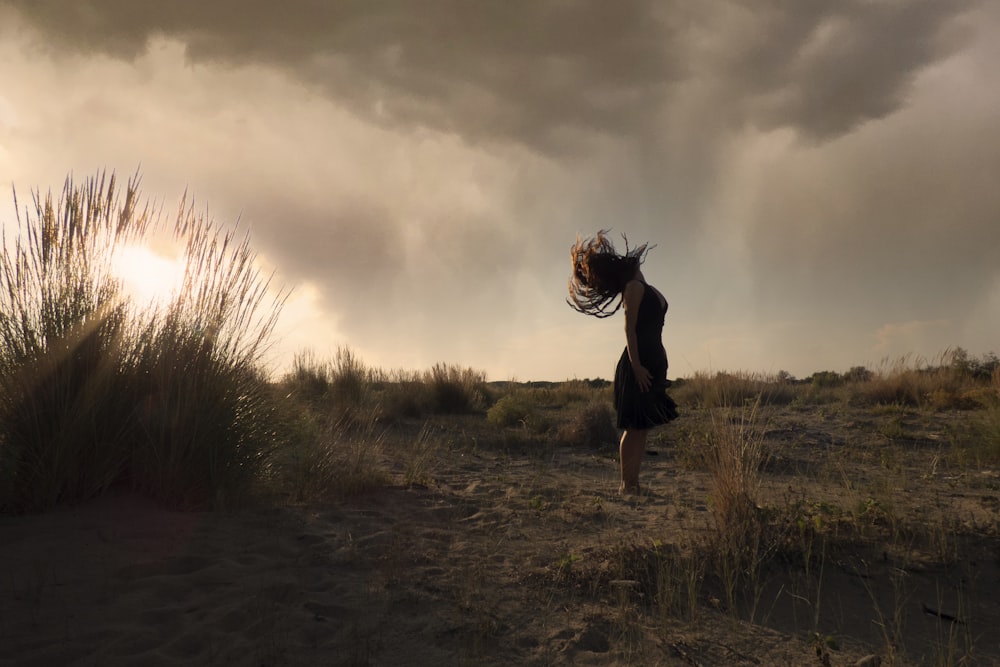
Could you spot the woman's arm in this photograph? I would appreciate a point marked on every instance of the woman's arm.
(631, 298)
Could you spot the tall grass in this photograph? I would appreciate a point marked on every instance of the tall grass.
(339, 458)
(346, 383)
(953, 381)
(735, 454)
(456, 390)
(96, 392)
(743, 539)
(722, 389)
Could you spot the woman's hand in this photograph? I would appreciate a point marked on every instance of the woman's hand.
(642, 377)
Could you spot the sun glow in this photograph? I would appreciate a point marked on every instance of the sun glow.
(148, 278)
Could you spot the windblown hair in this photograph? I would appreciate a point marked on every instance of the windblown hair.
(600, 273)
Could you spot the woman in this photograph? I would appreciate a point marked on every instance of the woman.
(600, 275)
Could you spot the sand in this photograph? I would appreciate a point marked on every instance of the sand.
(498, 561)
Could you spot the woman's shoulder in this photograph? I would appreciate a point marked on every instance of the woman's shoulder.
(635, 285)
(634, 289)
(632, 293)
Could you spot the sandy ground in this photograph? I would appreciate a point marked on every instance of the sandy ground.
(505, 558)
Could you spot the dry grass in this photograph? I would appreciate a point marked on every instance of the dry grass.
(734, 457)
(95, 392)
(770, 534)
(341, 458)
(592, 426)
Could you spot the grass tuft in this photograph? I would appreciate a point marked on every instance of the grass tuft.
(591, 425)
(95, 392)
(735, 455)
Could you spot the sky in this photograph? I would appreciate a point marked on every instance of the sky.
(819, 179)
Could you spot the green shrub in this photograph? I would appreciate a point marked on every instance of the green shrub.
(514, 409)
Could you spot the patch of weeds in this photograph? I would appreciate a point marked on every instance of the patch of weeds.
(893, 428)
(590, 426)
(420, 458)
(538, 503)
(341, 460)
(805, 520)
(736, 453)
(564, 564)
(822, 645)
(986, 445)
(872, 511)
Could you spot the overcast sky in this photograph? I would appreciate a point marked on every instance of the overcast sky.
(821, 179)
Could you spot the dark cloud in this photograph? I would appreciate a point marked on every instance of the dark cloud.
(352, 246)
(825, 67)
(379, 269)
(535, 70)
(548, 74)
(810, 171)
(885, 228)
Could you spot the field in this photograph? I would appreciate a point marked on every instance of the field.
(163, 501)
(804, 525)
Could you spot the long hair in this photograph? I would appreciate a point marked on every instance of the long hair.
(600, 273)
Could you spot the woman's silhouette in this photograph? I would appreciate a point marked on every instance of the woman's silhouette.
(601, 275)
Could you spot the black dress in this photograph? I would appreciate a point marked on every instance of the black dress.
(644, 409)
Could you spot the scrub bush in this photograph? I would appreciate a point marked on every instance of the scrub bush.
(97, 392)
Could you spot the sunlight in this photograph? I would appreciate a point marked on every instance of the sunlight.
(148, 278)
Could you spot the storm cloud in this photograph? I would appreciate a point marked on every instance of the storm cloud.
(805, 169)
(541, 73)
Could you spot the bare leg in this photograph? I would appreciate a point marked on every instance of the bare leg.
(631, 449)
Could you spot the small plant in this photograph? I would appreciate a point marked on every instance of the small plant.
(985, 446)
(892, 428)
(564, 565)
(419, 459)
(340, 460)
(591, 426)
(736, 452)
(872, 511)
